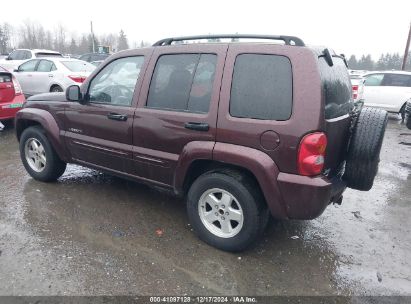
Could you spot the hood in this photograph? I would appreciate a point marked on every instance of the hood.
(48, 97)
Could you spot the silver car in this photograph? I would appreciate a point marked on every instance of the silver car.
(51, 75)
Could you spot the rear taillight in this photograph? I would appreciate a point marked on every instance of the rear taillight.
(17, 87)
(79, 79)
(355, 92)
(311, 154)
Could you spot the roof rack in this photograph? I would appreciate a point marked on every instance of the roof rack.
(289, 40)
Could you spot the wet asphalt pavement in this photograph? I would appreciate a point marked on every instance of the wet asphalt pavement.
(94, 234)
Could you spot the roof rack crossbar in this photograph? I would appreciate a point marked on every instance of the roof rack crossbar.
(288, 40)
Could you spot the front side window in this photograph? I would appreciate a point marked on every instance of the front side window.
(182, 82)
(261, 87)
(373, 80)
(116, 82)
(29, 66)
(397, 80)
(13, 55)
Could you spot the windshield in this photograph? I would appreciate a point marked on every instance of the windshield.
(78, 66)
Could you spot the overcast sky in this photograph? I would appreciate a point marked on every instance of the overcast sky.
(349, 27)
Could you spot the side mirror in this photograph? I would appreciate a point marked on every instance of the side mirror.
(73, 94)
(8, 58)
(16, 70)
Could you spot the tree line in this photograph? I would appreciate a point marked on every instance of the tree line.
(385, 62)
(32, 35)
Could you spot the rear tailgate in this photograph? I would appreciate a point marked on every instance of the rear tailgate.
(7, 92)
(337, 97)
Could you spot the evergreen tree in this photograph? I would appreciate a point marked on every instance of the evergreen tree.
(122, 42)
(366, 63)
(352, 63)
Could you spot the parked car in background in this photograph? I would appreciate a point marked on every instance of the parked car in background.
(94, 57)
(388, 90)
(97, 62)
(52, 74)
(11, 95)
(224, 125)
(357, 83)
(17, 57)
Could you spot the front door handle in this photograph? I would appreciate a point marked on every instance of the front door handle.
(115, 116)
(198, 126)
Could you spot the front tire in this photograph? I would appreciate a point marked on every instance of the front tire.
(227, 210)
(39, 157)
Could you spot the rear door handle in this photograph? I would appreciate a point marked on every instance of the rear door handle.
(198, 126)
(115, 116)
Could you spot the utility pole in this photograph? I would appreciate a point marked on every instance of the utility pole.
(92, 36)
(407, 48)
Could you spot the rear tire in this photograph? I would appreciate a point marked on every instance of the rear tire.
(38, 155)
(56, 89)
(408, 122)
(246, 213)
(402, 112)
(364, 149)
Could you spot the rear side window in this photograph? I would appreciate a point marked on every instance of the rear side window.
(45, 66)
(182, 82)
(336, 87)
(397, 80)
(261, 87)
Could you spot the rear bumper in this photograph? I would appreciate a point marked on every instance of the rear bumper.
(306, 197)
(8, 110)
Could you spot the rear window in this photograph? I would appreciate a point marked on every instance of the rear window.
(261, 87)
(336, 88)
(45, 54)
(96, 57)
(5, 77)
(78, 66)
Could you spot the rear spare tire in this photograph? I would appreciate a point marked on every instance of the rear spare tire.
(364, 149)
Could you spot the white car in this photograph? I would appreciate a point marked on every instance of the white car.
(17, 57)
(52, 74)
(388, 90)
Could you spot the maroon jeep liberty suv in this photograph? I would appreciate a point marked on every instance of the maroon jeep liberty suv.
(240, 129)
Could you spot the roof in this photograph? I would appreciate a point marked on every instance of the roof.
(388, 72)
(38, 51)
(288, 40)
(45, 51)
